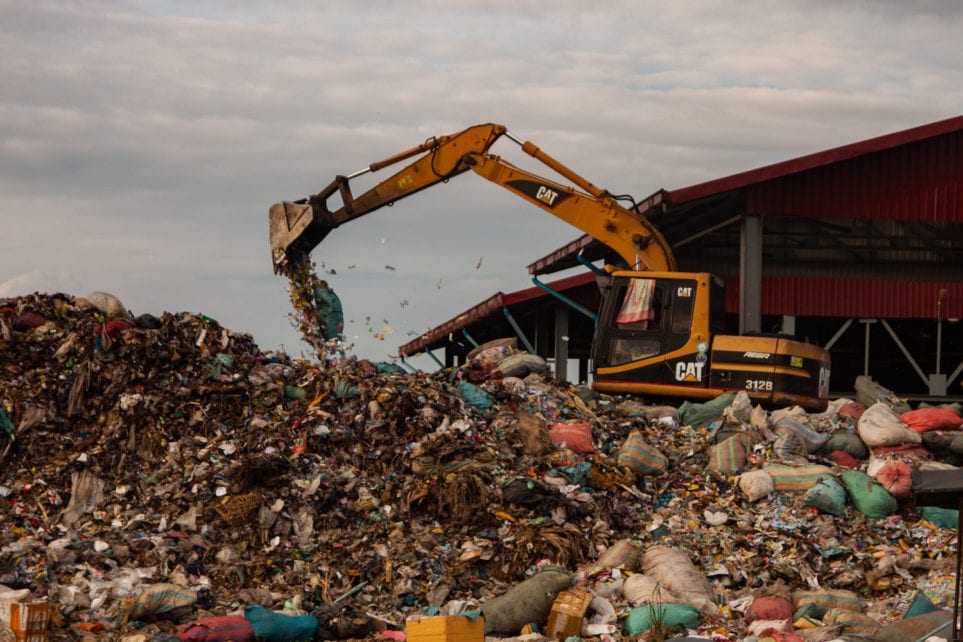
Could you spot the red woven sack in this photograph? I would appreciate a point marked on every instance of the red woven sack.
(235, 628)
(576, 437)
(852, 409)
(923, 419)
(843, 458)
(769, 608)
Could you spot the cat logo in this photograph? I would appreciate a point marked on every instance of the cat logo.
(546, 195)
(688, 371)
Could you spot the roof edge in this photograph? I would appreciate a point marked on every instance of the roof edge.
(807, 162)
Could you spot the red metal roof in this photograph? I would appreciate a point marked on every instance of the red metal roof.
(808, 162)
(853, 298)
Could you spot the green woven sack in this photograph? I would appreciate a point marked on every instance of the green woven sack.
(693, 414)
(641, 618)
(939, 442)
(828, 495)
(847, 442)
(868, 496)
(956, 444)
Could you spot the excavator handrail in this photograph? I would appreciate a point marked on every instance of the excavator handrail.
(296, 228)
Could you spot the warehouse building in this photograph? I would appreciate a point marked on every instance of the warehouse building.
(855, 248)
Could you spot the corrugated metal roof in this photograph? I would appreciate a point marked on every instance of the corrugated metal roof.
(888, 170)
(922, 181)
(853, 298)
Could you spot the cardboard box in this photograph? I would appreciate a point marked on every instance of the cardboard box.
(568, 610)
(445, 628)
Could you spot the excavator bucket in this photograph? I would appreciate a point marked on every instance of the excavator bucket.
(294, 233)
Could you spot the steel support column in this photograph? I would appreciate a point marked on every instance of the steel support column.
(750, 275)
(561, 342)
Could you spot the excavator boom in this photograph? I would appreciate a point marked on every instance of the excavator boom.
(298, 227)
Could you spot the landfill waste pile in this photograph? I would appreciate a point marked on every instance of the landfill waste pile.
(163, 479)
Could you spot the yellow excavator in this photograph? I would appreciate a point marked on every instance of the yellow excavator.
(659, 332)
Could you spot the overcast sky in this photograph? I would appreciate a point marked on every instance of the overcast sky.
(142, 142)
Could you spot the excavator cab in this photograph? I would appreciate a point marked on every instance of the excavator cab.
(661, 334)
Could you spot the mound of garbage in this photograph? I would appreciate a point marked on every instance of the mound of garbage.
(162, 478)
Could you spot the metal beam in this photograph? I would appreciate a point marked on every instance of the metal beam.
(584, 261)
(867, 323)
(518, 331)
(464, 332)
(434, 358)
(567, 301)
(561, 343)
(838, 334)
(956, 373)
(906, 353)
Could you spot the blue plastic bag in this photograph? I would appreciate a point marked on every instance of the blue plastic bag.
(276, 627)
(474, 396)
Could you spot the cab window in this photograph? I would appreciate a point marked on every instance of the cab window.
(682, 306)
(627, 349)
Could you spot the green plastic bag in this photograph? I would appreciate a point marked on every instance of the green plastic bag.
(827, 495)
(942, 517)
(386, 368)
(692, 414)
(330, 312)
(921, 605)
(642, 618)
(474, 396)
(868, 496)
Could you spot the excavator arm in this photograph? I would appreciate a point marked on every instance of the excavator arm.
(298, 227)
